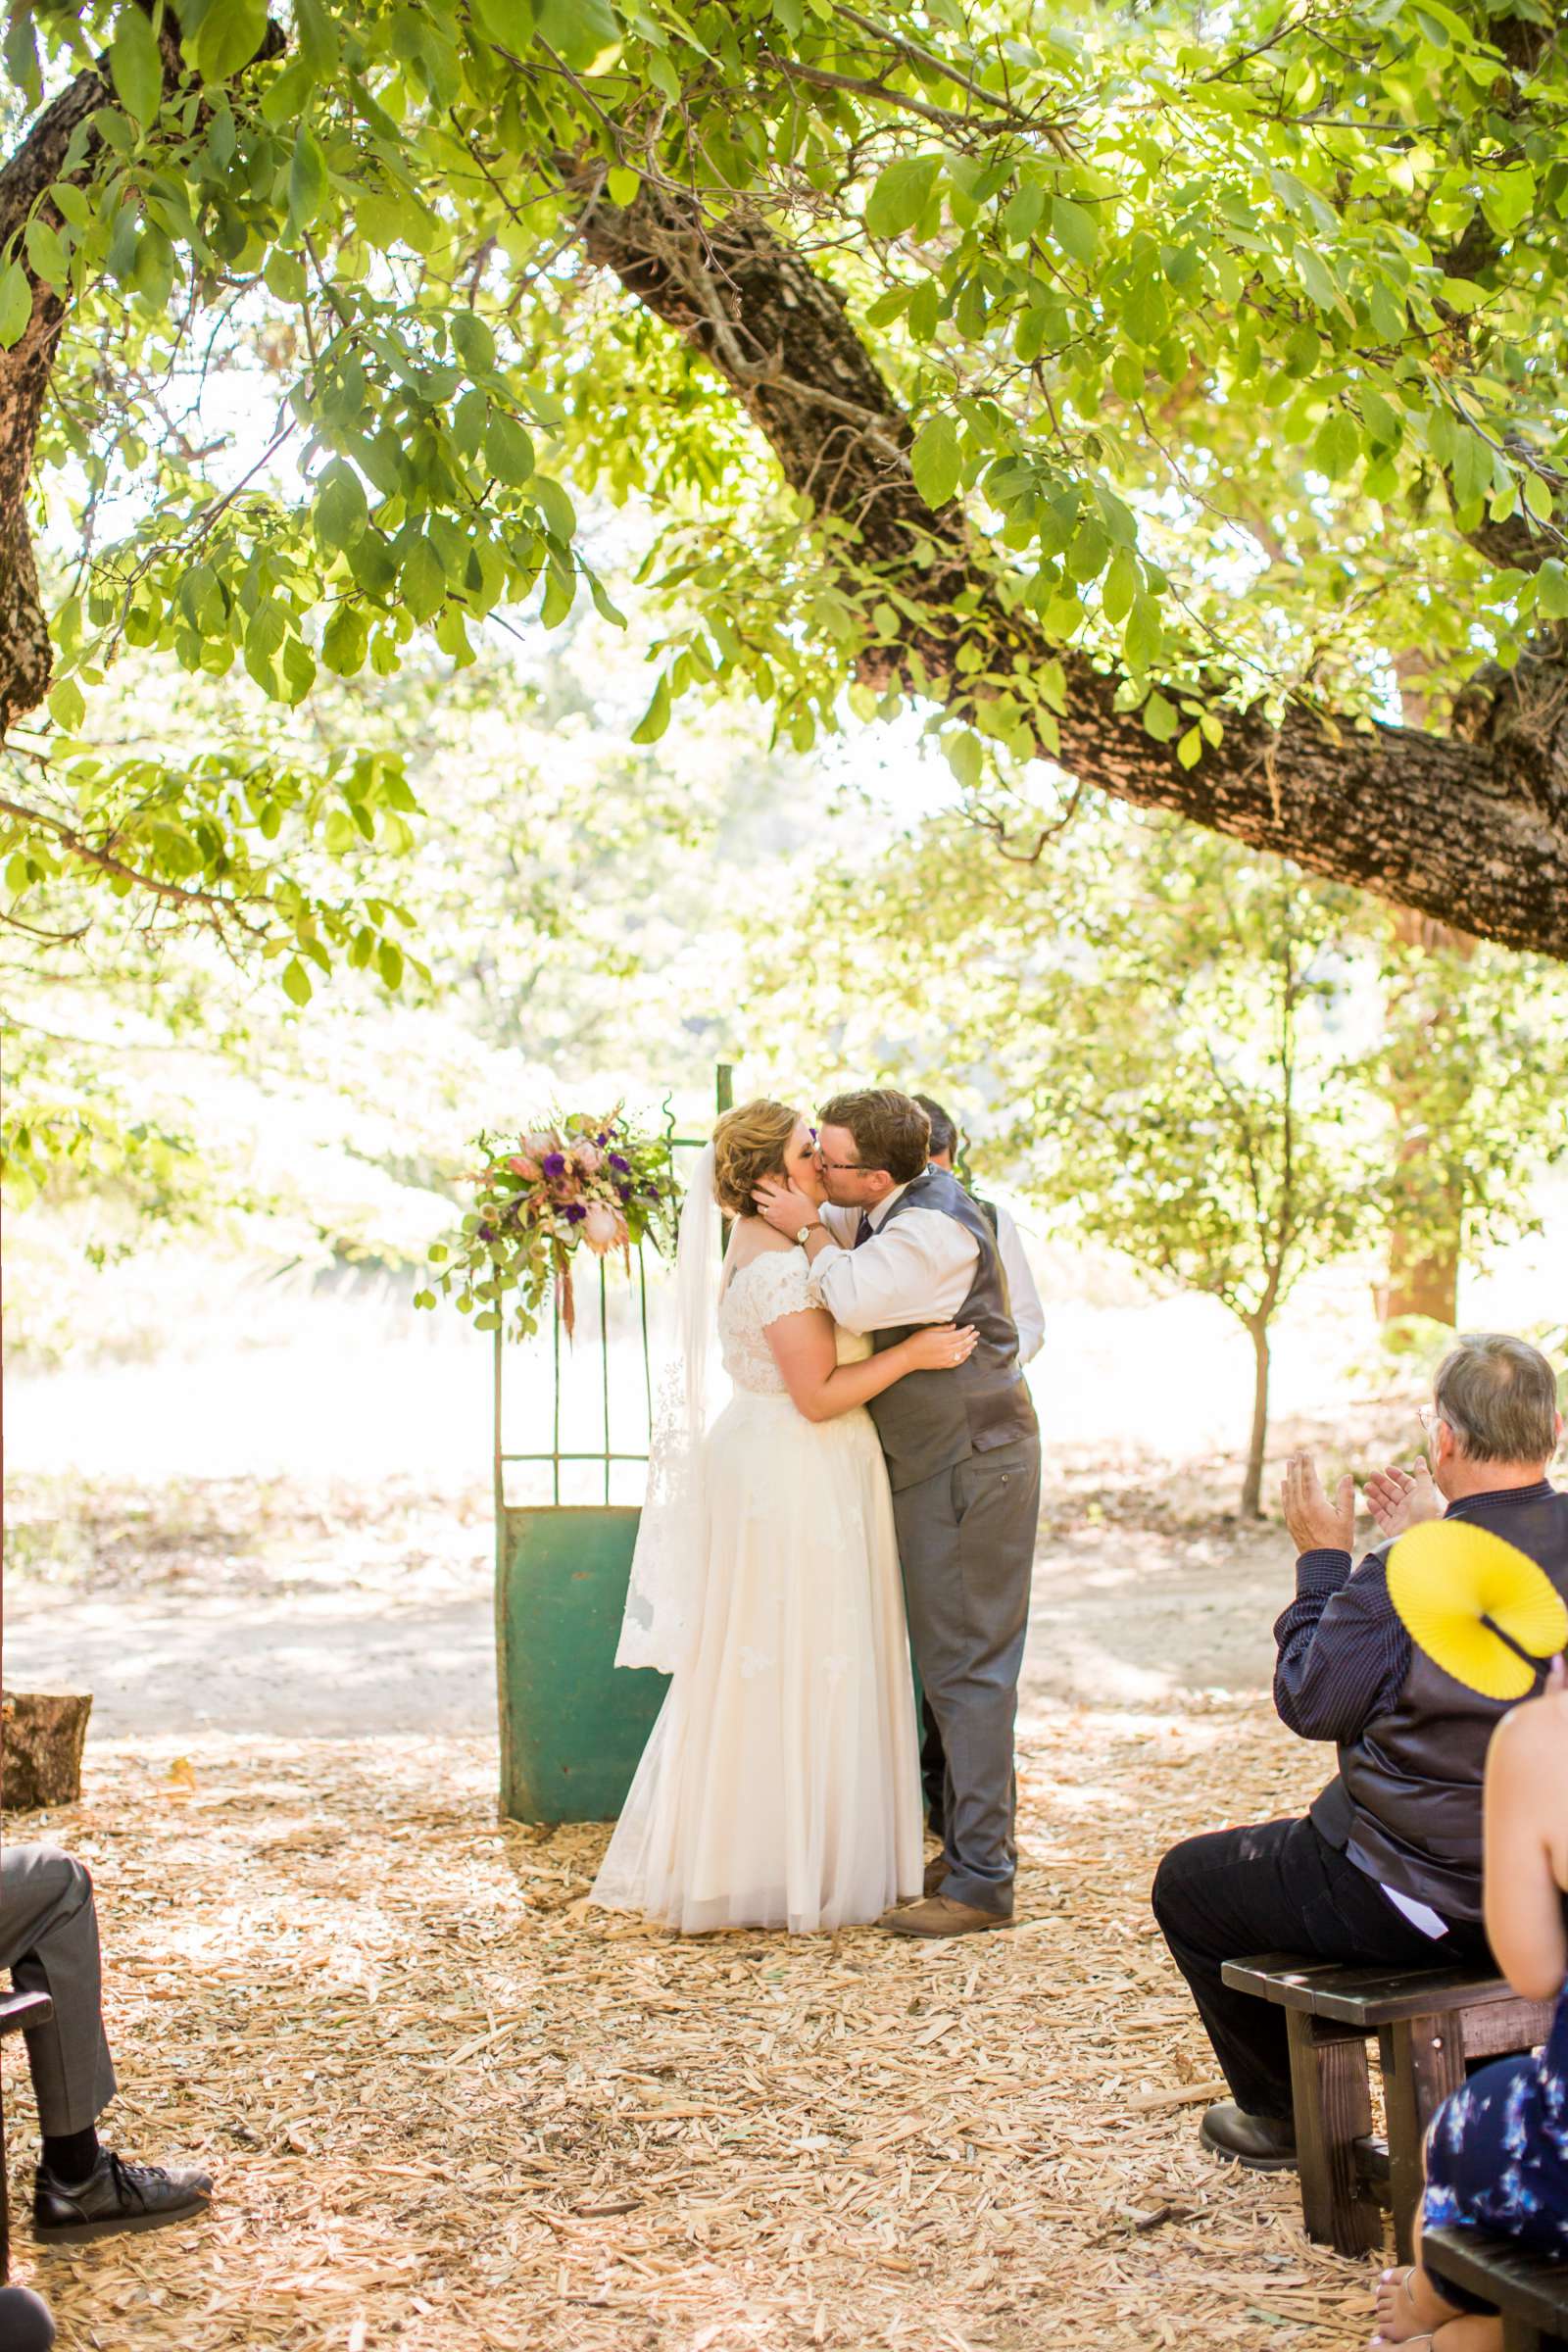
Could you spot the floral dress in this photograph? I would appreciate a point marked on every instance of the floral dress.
(1498, 2154)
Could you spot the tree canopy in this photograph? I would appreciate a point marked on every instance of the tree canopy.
(1138, 392)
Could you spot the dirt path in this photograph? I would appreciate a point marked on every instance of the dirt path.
(287, 1612)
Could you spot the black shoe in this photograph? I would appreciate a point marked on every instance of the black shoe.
(115, 2196)
(1258, 2144)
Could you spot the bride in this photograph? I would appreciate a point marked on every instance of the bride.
(780, 1785)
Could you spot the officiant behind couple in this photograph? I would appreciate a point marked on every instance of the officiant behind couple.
(878, 1421)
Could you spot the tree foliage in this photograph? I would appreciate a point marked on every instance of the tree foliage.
(1190, 1053)
(1139, 393)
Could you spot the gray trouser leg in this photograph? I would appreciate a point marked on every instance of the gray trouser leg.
(49, 1942)
(966, 1540)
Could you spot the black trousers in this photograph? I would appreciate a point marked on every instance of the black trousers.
(1278, 1887)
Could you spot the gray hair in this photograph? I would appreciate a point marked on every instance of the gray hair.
(1500, 1397)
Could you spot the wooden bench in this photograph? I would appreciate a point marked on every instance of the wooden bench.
(20, 2012)
(1531, 2293)
(1427, 2023)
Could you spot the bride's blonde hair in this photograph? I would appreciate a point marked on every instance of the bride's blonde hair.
(749, 1144)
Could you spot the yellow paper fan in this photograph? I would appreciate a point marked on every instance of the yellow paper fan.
(1481, 1607)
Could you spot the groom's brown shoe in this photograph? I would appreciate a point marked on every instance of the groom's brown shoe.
(936, 1871)
(940, 1915)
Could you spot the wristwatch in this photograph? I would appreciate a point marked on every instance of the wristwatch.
(806, 1233)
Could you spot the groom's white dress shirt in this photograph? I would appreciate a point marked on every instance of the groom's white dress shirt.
(1023, 1299)
(920, 1271)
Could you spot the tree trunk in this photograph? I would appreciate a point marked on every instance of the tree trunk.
(44, 1736)
(1252, 1482)
(1471, 828)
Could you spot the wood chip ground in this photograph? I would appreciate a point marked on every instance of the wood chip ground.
(448, 2106)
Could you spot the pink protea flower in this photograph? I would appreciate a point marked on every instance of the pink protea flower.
(602, 1228)
(522, 1166)
(588, 1157)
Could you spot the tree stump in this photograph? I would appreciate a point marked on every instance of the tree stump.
(43, 1734)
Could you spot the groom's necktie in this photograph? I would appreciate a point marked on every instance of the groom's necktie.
(863, 1230)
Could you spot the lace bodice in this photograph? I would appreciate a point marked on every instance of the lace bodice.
(778, 1282)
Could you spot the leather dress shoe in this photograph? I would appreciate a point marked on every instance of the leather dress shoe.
(940, 1915)
(115, 2196)
(1258, 2144)
(936, 1871)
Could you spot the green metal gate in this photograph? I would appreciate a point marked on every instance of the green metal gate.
(572, 1725)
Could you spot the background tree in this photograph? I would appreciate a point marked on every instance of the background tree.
(1181, 1047)
(1138, 395)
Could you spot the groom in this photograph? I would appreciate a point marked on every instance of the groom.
(901, 1244)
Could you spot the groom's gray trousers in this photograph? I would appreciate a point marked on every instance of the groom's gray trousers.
(966, 1542)
(49, 1942)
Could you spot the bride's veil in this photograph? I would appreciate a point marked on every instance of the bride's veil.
(664, 1599)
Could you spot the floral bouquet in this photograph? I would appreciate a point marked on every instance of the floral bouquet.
(540, 1196)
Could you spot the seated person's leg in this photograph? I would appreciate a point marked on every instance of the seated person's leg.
(1277, 1886)
(1220, 1897)
(49, 1940)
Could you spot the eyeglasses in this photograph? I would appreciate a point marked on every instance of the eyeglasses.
(1429, 1418)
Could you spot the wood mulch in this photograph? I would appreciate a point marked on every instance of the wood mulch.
(448, 2106)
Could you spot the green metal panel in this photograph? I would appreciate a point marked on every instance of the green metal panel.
(572, 1725)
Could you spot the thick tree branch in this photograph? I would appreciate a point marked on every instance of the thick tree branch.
(1472, 829)
(62, 133)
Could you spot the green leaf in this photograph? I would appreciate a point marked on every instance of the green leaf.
(341, 510)
(1075, 228)
(48, 255)
(296, 982)
(15, 303)
(1160, 719)
(967, 758)
(307, 179)
(900, 194)
(1551, 590)
(474, 343)
(656, 718)
(316, 36)
(228, 37)
(583, 33)
(936, 461)
(344, 641)
(67, 705)
(1538, 497)
(509, 451)
(621, 185)
(136, 67)
(1190, 750)
(389, 964)
(424, 580)
(1508, 197)
(1121, 586)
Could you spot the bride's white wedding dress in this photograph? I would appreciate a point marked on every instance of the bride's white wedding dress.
(780, 1786)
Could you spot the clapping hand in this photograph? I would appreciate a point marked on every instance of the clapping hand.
(1399, 1499)
(1316, 1523)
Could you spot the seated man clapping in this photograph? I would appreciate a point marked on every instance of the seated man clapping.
(1385, 1868)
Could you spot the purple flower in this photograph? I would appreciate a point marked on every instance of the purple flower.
(554, 1164)
(615, 1161)
(487, 1233)
(575, 1212)
(624, 1192)
(652, 1190)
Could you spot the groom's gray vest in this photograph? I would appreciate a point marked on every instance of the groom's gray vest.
(930, 1420)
